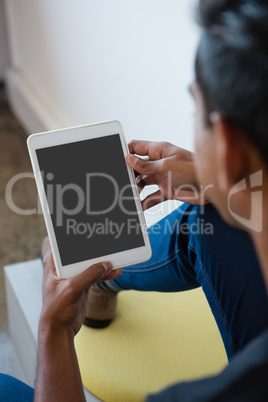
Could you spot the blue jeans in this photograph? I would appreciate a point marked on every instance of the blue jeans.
(194, 247)
(12, 389)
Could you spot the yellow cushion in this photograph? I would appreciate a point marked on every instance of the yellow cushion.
(155, 340)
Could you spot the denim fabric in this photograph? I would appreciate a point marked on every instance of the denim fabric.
(13, 390)
(194, 247)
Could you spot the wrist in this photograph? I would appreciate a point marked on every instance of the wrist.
(48, 329)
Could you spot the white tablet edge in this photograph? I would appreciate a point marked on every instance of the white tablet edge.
(119, 259)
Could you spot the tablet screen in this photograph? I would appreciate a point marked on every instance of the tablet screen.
(90, 198)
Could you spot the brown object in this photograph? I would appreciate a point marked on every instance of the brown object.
(101, 308)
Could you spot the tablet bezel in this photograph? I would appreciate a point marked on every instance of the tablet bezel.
(72, 135)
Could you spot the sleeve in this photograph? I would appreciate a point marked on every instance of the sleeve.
(243, 380)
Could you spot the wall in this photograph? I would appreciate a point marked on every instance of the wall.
(92, 60)
(4, 54)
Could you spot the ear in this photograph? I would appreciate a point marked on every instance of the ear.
(232, 150)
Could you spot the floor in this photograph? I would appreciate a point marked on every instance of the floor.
(20, 235)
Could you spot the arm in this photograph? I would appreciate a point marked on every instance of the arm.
(64, 307)
(58, 375)
(171, 168)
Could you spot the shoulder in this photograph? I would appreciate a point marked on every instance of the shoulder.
(244, 379)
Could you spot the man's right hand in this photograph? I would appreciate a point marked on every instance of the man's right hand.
(171, 168)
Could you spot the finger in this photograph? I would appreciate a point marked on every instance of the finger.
(113, 275)
(153, 199)
(145, 158)
(49, 264)
(91, 275)
(145, 180)
(145, 167)
(139, 147)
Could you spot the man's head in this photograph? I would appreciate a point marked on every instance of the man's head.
(231, 93)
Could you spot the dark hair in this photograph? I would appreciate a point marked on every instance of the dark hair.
(232, 64)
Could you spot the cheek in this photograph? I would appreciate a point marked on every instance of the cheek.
(207, 167)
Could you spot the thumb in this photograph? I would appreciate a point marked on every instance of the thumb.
(91, 275)
(143, 166)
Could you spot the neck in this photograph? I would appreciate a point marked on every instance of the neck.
(261, 239)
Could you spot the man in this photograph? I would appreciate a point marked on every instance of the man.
(231, 69)
(231, 145)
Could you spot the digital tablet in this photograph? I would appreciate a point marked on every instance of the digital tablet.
(89, 197)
